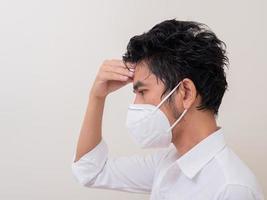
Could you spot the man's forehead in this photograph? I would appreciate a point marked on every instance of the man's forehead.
(142, 76)
(141, 70)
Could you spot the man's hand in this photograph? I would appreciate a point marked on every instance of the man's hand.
(112, 75)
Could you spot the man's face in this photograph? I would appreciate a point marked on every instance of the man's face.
(148, 90)
(146, 87)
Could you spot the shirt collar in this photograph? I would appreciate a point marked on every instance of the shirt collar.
(196, 158)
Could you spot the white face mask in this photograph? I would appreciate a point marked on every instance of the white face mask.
(149, 126)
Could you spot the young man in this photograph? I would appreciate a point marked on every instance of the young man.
(177, 72)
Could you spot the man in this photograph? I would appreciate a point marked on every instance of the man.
(177, 71)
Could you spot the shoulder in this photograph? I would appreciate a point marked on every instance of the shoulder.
(237, 191)
(238, 177)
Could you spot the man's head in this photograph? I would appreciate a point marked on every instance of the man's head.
(174, 51)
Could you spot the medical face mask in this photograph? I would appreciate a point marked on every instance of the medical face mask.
(149, 126)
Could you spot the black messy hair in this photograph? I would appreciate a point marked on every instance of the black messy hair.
(174, 50)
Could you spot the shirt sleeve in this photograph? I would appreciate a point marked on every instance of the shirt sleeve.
(133, 173)
(235, 191)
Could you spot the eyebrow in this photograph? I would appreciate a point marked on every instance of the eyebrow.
(137, 85)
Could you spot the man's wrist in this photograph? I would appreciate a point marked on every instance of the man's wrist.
(95, 97)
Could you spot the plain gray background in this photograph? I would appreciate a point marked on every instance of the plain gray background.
(50, 52)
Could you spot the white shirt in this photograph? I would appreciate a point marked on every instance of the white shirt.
(209, 171)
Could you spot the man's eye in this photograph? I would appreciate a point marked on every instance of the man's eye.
(141, 92)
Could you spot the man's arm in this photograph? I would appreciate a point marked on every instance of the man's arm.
(112, 75)
(133, 173)
(90, 134)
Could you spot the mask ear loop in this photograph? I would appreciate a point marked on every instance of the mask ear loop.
(176, 122)
(157, 107)
(168, 95)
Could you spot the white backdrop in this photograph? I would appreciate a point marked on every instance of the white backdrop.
(50, 52)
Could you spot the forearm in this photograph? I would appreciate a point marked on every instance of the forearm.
(91, 130)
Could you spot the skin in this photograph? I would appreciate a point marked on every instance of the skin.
(195, 126)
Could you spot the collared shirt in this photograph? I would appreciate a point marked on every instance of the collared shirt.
(208, 171)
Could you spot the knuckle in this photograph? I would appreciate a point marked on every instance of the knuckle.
(104, 66)
(106, 61)
(101, 75)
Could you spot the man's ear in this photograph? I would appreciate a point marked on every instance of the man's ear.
(188, 92)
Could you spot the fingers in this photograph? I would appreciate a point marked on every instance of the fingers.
(116, 70)
(117, 67)
(120, 70)
(121, 63)
(113, 76)
(114, 62)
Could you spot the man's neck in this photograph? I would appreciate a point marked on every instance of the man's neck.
(198, 126)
